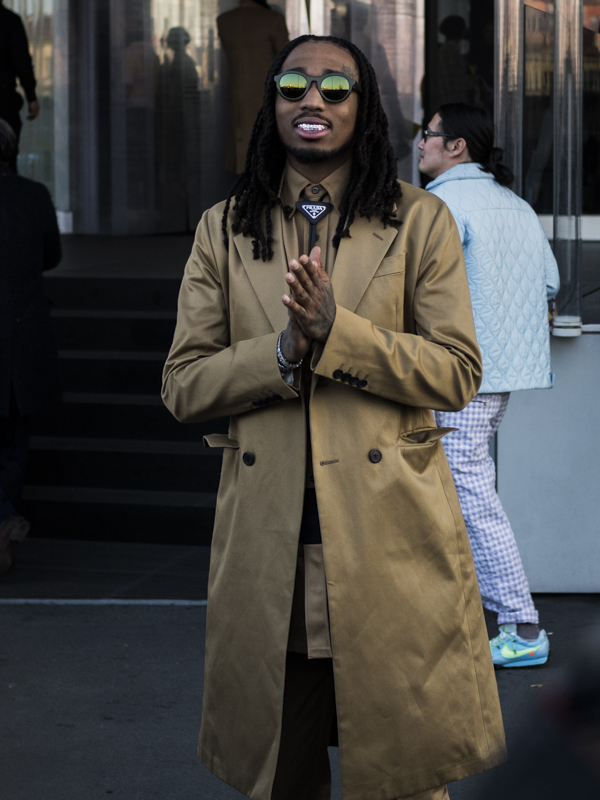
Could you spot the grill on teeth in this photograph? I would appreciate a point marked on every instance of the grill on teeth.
(307, 126)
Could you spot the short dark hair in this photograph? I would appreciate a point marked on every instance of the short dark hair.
(453, 26)
(373, 189)
(476, 127)
(8, 143)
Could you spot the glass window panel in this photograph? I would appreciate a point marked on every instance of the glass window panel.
(538, 130)
(459, 54)
(390, 34)
(36, 146)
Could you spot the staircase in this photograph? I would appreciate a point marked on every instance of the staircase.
(111, 463)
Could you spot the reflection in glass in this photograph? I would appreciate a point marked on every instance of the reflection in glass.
(389, 34)
(568, 165)
(459, 54)
(538, 131)
(36, 148)
(177, 125)
(591, 122)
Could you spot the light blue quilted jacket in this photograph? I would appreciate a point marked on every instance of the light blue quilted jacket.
(512, 274)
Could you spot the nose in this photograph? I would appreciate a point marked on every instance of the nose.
(421, 144)
(313, 99)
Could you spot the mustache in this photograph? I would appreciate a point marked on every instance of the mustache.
(306, 114)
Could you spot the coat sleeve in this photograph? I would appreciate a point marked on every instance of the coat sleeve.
(438, 366)
(205, 376)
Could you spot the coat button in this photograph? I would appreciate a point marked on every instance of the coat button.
(249, 458)
(354, 381)
(362, 384)
(346, 377)
(338, 374)
(374, 456)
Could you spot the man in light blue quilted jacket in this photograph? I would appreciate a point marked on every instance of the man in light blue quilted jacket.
(512, 274)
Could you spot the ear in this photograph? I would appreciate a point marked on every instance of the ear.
(458, 148)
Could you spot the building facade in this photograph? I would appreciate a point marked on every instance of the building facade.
(131, 140)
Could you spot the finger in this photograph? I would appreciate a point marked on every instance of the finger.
(315, 254)
(298, 290)
(300, 273)
(293, 306)
(314, 268)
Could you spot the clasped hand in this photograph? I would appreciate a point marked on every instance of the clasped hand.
(310, 304)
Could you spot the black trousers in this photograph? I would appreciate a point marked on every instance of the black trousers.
(9, 112)
(309, 727)
(14, 452)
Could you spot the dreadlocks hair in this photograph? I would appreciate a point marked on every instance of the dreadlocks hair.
(373, 189)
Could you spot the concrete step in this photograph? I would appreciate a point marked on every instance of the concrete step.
(111, 463)
(93, 516)
(119, 416)
(114, 330)
(149, 294)
(156, 469)
(104, 371)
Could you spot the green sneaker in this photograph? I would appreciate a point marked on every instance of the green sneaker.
(509, 650)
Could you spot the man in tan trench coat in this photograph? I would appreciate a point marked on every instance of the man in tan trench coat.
(343, 603)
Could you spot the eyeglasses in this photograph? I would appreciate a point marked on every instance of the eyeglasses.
(427, 133)
(334, 88)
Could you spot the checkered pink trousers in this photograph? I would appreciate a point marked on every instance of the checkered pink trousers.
(500, 573)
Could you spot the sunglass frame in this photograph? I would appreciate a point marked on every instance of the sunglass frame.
(427, 133)
(310, 79)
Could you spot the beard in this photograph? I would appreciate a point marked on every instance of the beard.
(310, 155)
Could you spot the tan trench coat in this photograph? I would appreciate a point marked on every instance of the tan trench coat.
(415, 690)
(252, 36)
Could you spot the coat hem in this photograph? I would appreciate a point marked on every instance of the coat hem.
(456, 773)
(214, 766)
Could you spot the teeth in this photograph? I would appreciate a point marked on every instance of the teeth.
(309, 126)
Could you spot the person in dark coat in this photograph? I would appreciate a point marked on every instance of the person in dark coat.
(15, 62)
(29, 374)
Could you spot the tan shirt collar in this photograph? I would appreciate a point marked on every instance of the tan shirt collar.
(295, 186)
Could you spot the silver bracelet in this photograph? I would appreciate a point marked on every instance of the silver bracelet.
(282, 361)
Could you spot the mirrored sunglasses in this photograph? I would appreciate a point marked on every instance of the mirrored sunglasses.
(334, 88)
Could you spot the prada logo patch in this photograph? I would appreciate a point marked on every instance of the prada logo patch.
(314, 211)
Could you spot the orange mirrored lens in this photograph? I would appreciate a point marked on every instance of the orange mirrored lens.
(335, 87)
(292, 86)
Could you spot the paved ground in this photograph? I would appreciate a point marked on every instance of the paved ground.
(105, 700)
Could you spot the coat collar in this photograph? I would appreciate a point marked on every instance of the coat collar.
(357, 261)
(461, 172)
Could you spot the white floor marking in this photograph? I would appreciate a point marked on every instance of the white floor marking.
(105, 601)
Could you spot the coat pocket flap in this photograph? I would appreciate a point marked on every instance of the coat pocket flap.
(424, 435)
(392, 265)
(221, 440)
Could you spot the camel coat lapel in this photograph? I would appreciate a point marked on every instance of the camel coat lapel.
(358, 259)
(267, 280)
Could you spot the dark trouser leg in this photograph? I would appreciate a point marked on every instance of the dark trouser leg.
(303, 771)
(14, 452)
(6, 507)
(10, 114)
